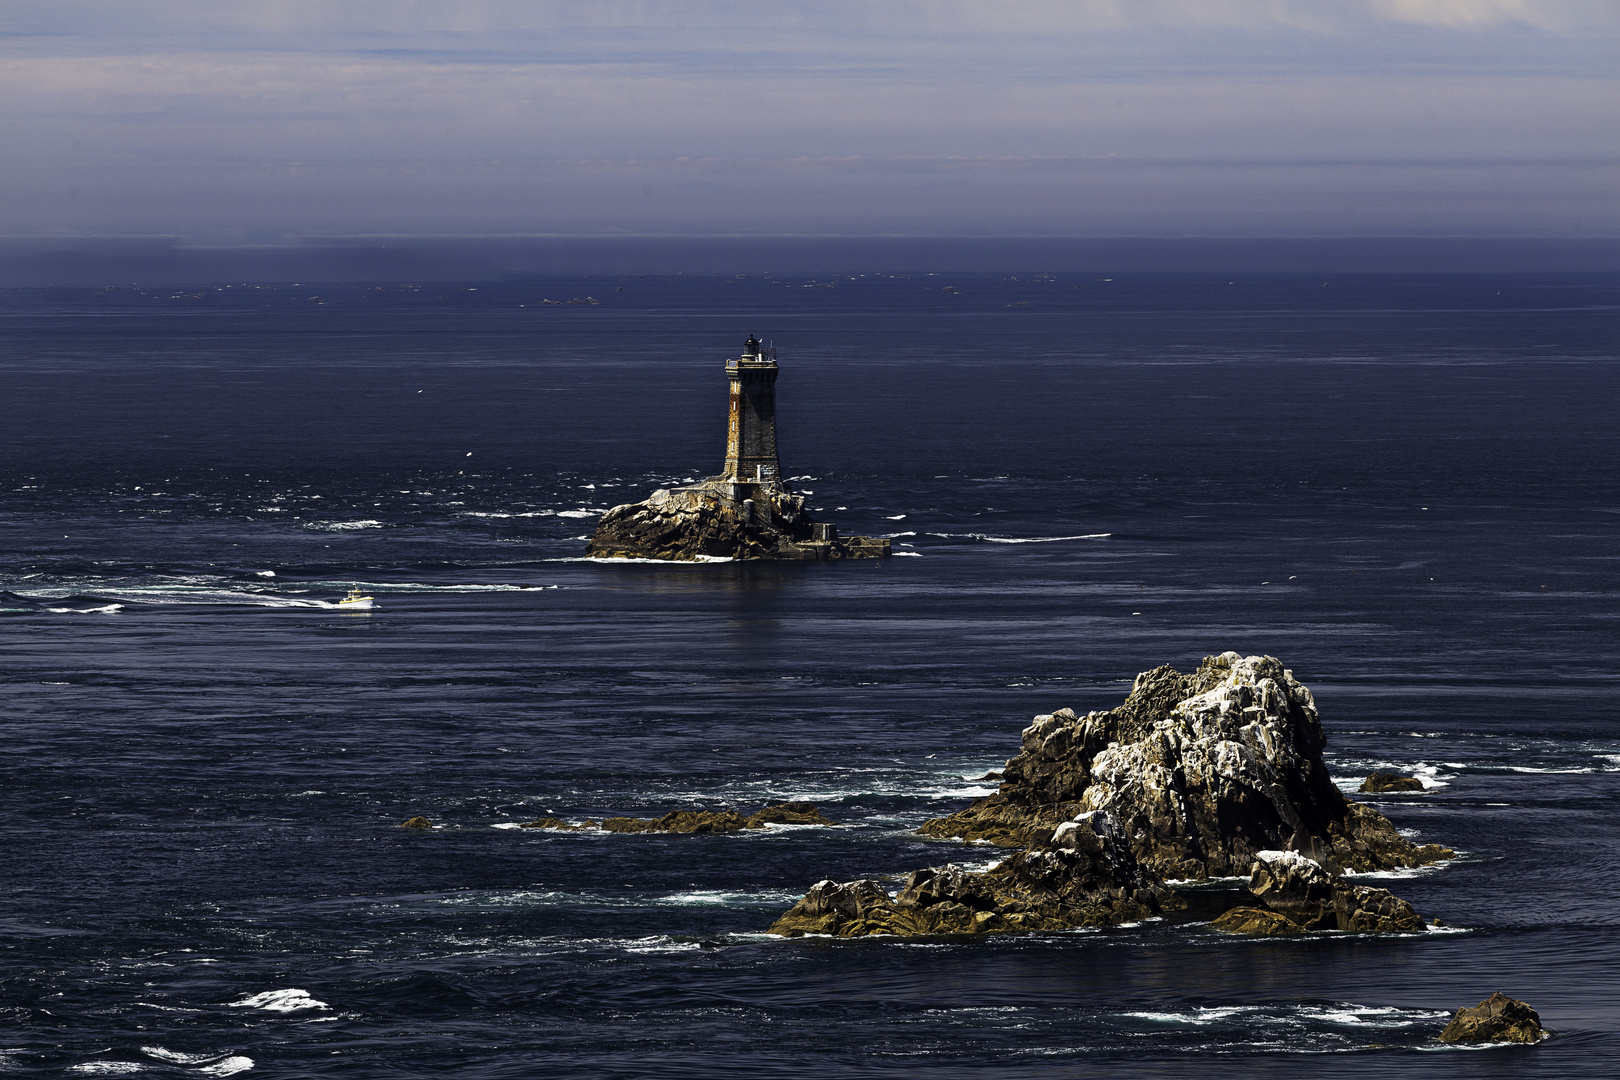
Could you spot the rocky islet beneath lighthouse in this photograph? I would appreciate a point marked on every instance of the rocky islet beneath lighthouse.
(746, 512)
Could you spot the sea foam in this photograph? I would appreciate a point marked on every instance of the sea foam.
(283, 1001)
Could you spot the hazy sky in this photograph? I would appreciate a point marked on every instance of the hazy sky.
(259, 122)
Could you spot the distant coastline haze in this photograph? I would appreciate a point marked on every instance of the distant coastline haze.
(175, 138)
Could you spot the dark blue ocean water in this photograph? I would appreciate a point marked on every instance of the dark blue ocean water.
(1408, 489)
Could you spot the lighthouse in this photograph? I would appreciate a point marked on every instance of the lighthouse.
(746, 512)
(751, 427)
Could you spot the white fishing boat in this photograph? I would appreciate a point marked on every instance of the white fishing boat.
(356, 600)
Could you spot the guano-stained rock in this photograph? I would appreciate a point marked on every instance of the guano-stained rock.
(1296, 888)
(1202, 771)
(1214, 773)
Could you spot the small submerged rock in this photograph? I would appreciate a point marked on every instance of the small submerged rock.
(1498, 1018)
(1382, 782)
(788, 813)
(680, 821)
(694, 822)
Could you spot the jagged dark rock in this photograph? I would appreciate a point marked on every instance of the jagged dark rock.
(416, 823)
(680, 821)
(1087, 878)
(1363, 909)
(1380, 783)
(1498, 1018)
(1257, 922)
(1202, 770)
(1296, 888)
(1306, 897)
(556, 823)
(788, 813)
(721, 519)
(720, 821)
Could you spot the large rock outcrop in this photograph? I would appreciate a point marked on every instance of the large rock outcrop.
(1087, 877)
(1203, 771)
(720, 519)
(1498, 1018)
(1297, 895)
(1203, 775)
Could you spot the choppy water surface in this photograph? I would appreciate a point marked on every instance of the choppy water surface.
(1404, 488)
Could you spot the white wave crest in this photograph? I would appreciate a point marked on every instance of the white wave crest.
(107, 1068)
(975, 792)
(1399, 872)
(283, 1001)
(176, 1056)
(343, 526)
(218, 1064)
(1548, 769)
(718, 898)
(1284, 1017)
(1428, 775)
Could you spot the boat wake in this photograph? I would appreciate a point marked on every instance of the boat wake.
(986, 538)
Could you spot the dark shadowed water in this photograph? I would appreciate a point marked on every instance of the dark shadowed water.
(1408, 489)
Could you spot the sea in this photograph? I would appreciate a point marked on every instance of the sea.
(1406, 488)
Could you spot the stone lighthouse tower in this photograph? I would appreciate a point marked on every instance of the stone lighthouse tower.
(746, 512)
(751, 430)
